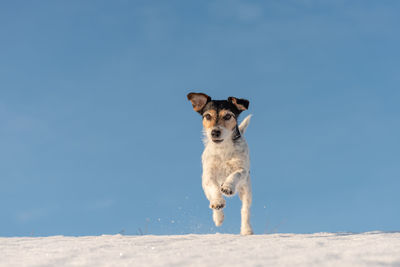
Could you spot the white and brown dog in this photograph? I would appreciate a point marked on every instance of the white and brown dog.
(226, 162)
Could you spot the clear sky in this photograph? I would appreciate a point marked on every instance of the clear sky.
(97, 137)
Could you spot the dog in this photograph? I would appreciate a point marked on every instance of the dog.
(225, 160)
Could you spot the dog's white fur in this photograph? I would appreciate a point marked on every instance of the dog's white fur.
(226, 169)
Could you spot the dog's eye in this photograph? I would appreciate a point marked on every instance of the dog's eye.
(227, 117)
(208, 117)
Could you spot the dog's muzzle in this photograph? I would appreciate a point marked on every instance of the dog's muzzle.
(215, 134)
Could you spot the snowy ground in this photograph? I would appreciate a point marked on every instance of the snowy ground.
(322, 249)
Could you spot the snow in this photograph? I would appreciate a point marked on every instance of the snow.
(320, 249)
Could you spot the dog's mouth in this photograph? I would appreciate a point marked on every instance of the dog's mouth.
(217, 140)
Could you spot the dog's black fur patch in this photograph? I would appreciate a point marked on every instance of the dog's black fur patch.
(218, 105)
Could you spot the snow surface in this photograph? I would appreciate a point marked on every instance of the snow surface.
(321, 249)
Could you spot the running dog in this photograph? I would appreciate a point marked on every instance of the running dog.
(226, 161)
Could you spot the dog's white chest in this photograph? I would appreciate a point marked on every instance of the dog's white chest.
(220, 161)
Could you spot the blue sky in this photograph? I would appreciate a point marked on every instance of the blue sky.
(97, 137)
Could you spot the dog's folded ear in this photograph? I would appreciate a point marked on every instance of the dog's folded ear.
(240, 103)
(199, 100)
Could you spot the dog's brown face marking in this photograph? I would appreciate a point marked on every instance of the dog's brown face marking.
(227, 119)
(209, 119)
(224, 118)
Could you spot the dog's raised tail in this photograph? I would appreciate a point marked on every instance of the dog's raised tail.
(243, 125)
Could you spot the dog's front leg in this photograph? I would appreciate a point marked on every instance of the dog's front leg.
(213, 194)
(212, 191)
(232, 181)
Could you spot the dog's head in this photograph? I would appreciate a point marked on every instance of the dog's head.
(220, 117)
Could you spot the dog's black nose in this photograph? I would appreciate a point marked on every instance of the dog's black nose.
(215, 133)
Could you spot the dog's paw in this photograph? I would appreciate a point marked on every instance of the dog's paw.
(217, 204)
(246, 231)
(227, 190)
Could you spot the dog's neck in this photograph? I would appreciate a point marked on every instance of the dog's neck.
(236, 135)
